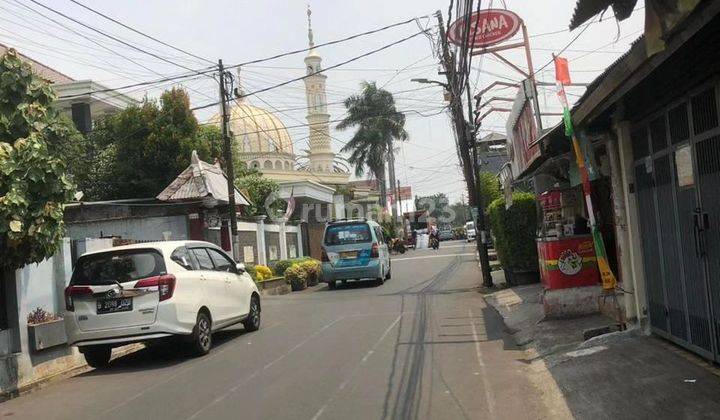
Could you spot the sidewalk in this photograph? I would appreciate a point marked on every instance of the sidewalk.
(617, 375)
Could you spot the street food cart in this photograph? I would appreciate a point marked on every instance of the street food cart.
(565, 247)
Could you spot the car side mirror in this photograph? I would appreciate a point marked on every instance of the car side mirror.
(240, 268)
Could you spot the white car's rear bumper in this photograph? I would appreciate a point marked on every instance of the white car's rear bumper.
(170, 320)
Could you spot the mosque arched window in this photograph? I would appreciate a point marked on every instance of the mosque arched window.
(255, 164)
(267, 165)
(287, 166)
(278, 164)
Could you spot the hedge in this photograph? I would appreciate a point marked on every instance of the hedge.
(514, 231)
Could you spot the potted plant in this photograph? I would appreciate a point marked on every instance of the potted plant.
(45, 329)
(312, 270)
(296, 276)
(514, 231)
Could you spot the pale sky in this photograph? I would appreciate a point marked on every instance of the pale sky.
(240, 30)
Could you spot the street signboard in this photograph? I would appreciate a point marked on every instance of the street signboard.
(487, 27)
(522, 131)
(405, 194)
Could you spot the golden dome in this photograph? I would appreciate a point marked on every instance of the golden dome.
(255, 130)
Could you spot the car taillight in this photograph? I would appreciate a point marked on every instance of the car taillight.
(375, 251)
(165, 285)
(324, 256)
(71, 291)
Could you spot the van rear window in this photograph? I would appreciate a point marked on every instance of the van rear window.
(347, 234)
(118, 266)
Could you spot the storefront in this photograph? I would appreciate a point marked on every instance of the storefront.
(565, 247)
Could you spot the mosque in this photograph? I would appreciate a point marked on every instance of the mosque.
(318, 177)
(262, 141)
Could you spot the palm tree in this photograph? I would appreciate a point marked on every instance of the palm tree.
(378, 123)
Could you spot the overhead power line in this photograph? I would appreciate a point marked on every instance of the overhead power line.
(139, 32)
(384, 47)
(255, 61)
(111, 36)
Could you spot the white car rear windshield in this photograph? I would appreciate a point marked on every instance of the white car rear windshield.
(347, 234)
(117, 267)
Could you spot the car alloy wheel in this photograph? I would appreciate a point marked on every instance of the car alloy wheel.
(202, 336)
(252, 323)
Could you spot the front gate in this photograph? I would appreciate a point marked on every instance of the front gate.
(677, 178)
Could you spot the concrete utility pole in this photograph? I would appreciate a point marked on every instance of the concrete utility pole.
(466, 145)
(229, 169)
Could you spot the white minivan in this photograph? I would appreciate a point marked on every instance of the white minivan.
(154, 290)
(470, 231)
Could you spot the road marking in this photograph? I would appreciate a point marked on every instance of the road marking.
(446, 246)
(357, 367)
(483, 373)
(200, 362)
(433, 256)
(267, 366)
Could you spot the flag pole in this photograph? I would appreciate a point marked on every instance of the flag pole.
(562, 77)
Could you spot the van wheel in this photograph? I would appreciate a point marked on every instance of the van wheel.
(252, 323)
(332, 284)
(97, 357)
(388, 276)
(202, 335)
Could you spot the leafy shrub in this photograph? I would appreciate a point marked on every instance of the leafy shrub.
(313, 271)
(280, 266)
(297, 277)
(250, 269)
(514, 230)
(263, 272)
(489, 187)
(41, 316)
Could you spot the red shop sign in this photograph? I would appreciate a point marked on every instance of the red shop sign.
(487, 27)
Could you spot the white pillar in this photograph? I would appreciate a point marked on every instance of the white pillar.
(260, 238)
(622, 130)
(339, 206)
(621, 229)
(283, 239)
(300, 251)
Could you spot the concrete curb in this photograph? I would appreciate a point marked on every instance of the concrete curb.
(65, 374)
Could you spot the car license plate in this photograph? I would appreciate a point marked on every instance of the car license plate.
(348, 255)
(108, 306)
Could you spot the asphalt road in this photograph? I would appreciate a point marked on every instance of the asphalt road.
(423, 345)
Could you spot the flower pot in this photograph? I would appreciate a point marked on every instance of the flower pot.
(46, 335)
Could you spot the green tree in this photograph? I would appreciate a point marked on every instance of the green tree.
(489, 187)
(138, 151)
(378, 124)
(258, 189)
(462, 213)
(33, 180)
(435, 204)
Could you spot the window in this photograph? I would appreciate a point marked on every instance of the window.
(117, 266)
(222, 262)
(183, 257)
(203, 258)
(347, 234)
(379, 234)
(267, 165)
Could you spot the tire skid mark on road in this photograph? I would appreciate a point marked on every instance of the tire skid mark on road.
(199, 362)
(409, 395)
(356, 369)
(466, 254)
(257, 372)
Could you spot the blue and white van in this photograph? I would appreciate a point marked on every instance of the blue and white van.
(353, 250)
